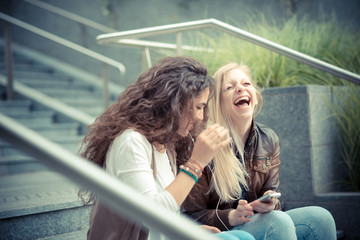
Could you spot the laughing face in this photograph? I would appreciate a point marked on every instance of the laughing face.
(238, 95)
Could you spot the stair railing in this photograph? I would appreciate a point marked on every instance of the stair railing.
(70, 15)
(121, 198)
(145, 45)
(103, 59)
(121, 38)
(52, 103)
(115, 38)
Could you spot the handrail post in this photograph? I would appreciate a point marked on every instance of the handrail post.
(179, 49)
(106, 96)
(147, 57)
(8, 61)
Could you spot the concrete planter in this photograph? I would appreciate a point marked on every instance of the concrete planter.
(310, 154)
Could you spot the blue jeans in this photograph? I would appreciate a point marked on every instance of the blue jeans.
(235, 235)
(311, 223)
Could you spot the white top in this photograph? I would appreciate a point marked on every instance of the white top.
(129, 160)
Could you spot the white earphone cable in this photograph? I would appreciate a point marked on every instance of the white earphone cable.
(217, 206)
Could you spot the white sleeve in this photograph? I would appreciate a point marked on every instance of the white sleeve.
(129, 159)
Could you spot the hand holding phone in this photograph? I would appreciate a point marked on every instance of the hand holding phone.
(267, 197)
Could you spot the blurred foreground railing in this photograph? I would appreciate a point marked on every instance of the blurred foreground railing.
(120, 197)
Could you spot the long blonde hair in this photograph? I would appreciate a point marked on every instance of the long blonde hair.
(229, 173)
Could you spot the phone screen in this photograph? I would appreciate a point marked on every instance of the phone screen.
(267, 197)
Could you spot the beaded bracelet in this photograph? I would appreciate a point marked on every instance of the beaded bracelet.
(190, 174)
(190, 169)
(196, 163)
(193, 168)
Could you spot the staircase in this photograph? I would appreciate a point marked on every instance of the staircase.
(36, 202)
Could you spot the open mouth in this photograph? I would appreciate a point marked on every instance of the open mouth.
(242, 101)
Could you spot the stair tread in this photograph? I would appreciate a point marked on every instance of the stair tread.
(35, 192)
(26, 67)
(41, 74)
(78, 235)
(56, 83)
(16, 159)
(70, 92)
(15, 103)
(51, 125)
(31, 114)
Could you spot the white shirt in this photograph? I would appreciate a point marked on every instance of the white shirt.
(129, 160)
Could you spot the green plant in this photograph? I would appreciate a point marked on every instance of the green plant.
(346, 110)
(322, 39)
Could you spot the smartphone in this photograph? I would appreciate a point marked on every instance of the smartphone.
(267, 198)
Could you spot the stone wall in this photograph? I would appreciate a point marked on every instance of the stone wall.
(308, 138)
(310, 154)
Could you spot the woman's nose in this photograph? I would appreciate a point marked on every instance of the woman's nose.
(239, 87)
(200, 116)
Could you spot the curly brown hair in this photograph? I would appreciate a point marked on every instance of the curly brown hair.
(152, 106)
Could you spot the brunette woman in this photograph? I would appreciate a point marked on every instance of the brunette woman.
(139, 137)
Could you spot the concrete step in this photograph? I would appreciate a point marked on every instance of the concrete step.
(93, 111)
(20, 163)
(53, 83)
(35, 202)
(15, 103)
(85, 101)
(39, 205)
(67, 140)
(71, 143)
(24, 66)
(74, 93)
(56, 133)
(38, 117)
(15, 161)
(13, 111)
(40, 75)
(78, 235)
(58, 127)
(48, 114)
(14, 106)
(19, 58)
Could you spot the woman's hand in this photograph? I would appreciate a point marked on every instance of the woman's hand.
(263, 207)
(212, 139)
(211, 228)
(241, 214)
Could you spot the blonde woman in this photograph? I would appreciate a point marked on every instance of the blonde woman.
(226, 195)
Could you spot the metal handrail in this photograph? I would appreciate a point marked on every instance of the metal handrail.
(65, 42)
(102, 28)
(146, 45)
(58, 106)
(105, 60)
(121, 198)
(70, 15)
(177, 28)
